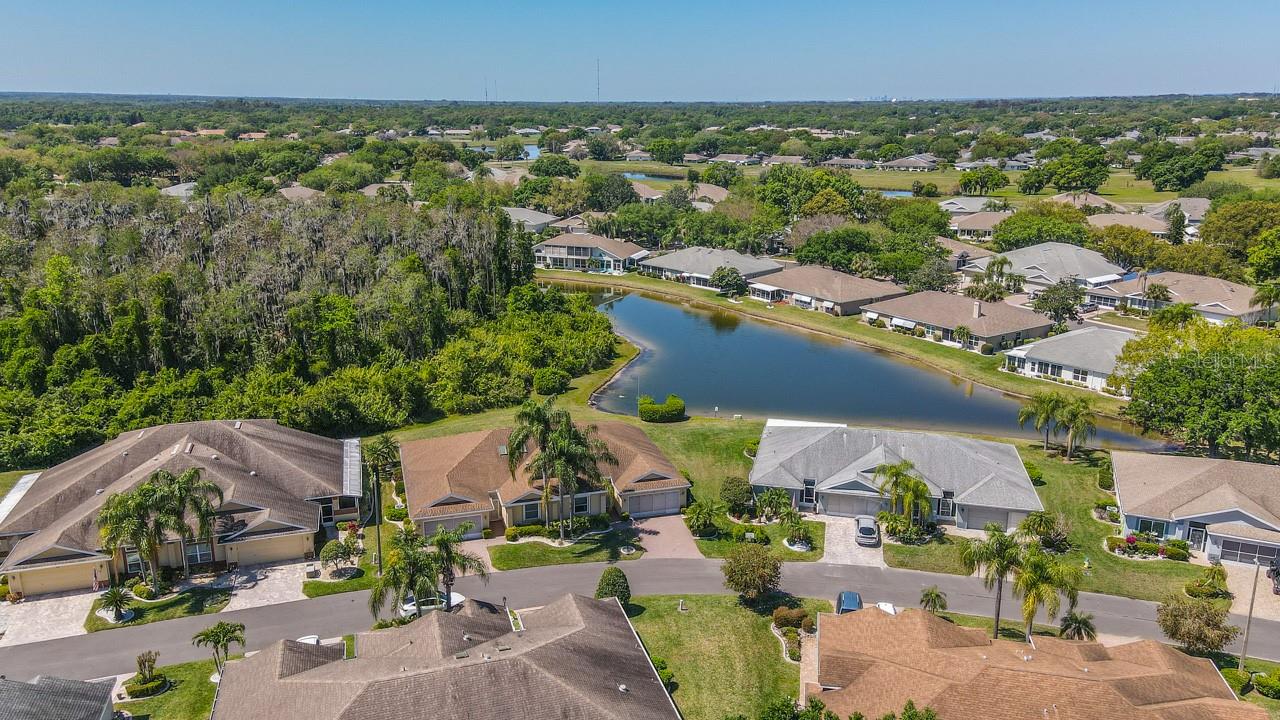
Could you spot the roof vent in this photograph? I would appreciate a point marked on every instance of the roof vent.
(99, 491)
(502, 450)
(213, 457)
(253, 473)
(461, 655)
(487, 657)
(126, 453)
(237, 425)
(190, 447)
(622, 688)
(466, 637)
(141, 433)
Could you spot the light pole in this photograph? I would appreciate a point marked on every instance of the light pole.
(1244, 649)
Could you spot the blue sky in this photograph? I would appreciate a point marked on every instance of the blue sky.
(654, 50)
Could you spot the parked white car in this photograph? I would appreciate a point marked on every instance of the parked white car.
(868, 531)
(409, 609)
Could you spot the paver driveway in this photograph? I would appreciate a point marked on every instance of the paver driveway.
(666, 536)
(842, 546)
(45, 617)
(257, 585)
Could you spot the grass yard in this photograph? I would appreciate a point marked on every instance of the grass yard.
(984, 369)
(9, 478)
(190, 695)
(1011, 628)
(1127, 321)
(598, 548)
(1071, 488)
(938, 557)
(725, 659)
(195, 601)
(721, 546)
(368, 564)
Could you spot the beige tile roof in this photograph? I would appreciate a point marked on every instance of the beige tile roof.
(984, 220)
(1174, 487)
(576, 659)
(956, 248)
(710, 193)
(1142, 222)
(826, 284)
(260, 465)
(646, 192)
(872, 662)
(950, 311)
(1086, 199)
(1209, 294)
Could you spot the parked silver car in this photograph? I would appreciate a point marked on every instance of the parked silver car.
(868, 531)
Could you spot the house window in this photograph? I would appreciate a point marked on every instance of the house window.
(1079, 375)
(809, 488)
(581, 505)
(1055, 370)
(346, 503)
(132, 561)
(198, 553)
(532, 511)
(1153, 527)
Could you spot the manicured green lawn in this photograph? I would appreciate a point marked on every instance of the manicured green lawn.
(1071, 488)
(9, 478)
(189, 697)
(1128, 321)
(598, 548)
(721, 546)
(1011, 628)
(195, 601)
(725, 659)
(939, 557)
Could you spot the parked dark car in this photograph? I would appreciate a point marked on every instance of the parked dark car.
(847, 602)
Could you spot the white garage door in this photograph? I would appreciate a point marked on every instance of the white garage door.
(648, 505)
(850, 505)
(477, 525)
(978, 517)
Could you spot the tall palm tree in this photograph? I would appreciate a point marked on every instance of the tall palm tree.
(1266, 295)
(409, 570)
(933, 600)
(1077, 625)
(219, 637)
(894, 480)
(572, 454)
(996, 557)
(1075, 417)
(534, 421)
(122, 523)
(1157, 292)
(1041, 411)
(380, 455)
(1042, 580)
(185, 498)
(451, 560)
(916, 500)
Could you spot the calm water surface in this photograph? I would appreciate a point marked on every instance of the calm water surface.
(724, 364)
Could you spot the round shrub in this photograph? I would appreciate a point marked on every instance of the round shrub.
(919, 331)
(808, 625)
(1238, 680)
(1268, 685)
(613, 584)
(735, 493)
(397, 514)
(986, 349)
(142, 591)
(550, 381)
(1173, 553)
(131, 582)
(785, 617)
(670, 410)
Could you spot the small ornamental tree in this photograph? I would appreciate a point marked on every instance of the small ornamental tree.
(735, 493)
(729, 280)
(1198, 625)
(613, 583)
(751, 571)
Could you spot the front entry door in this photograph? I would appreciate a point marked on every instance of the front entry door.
(1196, 538)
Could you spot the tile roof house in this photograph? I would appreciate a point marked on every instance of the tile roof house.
(844, 163)
(637, 156)
(587, 252)
(579, 223)
(695, 158)
(979, 225)
(1086, 199)
(466, 478)
(1085, 356)
(51, 698)
(694, 265)
(533, 221)
(575, 658)
(371, 190)
(736, 159)
(960, 253)
(1149, 223)
(647, 193)
(182, 191)
(830, 469)
(280, 486)
(296, 192)
(996, 324)
(964, 205)
(1214, 299)
(813, 287)
(911, 163)
(872, 662)
(708, 193)
(784, 160)
(1193, 208)
(1046, 263)
(1225, 508)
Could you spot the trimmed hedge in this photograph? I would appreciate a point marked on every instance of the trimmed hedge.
(1268, 685)
(670, 410)
(792, 638)
(516, 532)
(142, 591)
(1239, 680)
(138, 689)
(398, 514)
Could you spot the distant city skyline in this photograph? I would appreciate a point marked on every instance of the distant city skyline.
(714, 51)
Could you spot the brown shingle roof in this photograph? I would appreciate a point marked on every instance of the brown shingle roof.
(1173, 487)
(1142, 222)
(950, 311)
(259, 465)
(1214, 295)
(957, 248)
(984, 220)
(872, 662)
(576, 659)
(826, 284)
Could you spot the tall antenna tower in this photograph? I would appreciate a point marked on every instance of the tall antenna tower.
(486, 88)
(597, 79)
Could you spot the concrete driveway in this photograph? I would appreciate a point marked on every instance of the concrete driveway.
(45, 617)
(1240, 583)
(666, 536)
(258, 585)
(842, 546)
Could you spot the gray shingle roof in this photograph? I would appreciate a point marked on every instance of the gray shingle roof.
(1174, 487)
(529, 217)
(51, 698)
(704, 261)
(1050, 262)
(1088, 348)
(978, 472)
(576, 659)
(1207, 294)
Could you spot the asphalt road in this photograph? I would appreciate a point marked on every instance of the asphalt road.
(113, 651)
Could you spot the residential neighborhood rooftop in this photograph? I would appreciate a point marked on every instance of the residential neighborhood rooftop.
(1090, 348)
(1047, 263)
(981, 220)
(1209, 294)
(1151, 224)
(819, 282)
(51, 698)
(620, 249)
(527, 216)
(705, 260)
(984, 319)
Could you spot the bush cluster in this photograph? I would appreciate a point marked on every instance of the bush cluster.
(785, 617)
(576, 526)
(550, 381)
(1268, 685)
(1238, 680)
(791, 636)
(142, 591)
(670, 410)
(665, 674)
(739, 534)
(138, 688)
(398, 514)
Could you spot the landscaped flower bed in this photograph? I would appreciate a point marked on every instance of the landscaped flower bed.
(1140, 546)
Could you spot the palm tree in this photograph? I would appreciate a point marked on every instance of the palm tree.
(534, 422)
(997, 557)
(409, 570)
(916, 500)
(1157, 292)
(1266, 295)
(187, 495)
(894, 480)
(572, 453)
(1041, 411)
(451, 560)
(933, 600)
(379, 455)
(220, 637)
(961, 334)
(1077, 626)
(702, 515)
(1042, 581)
(116, 599)
(122, 523)
(1075, 417)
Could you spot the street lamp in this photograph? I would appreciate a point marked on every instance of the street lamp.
(1244, 649)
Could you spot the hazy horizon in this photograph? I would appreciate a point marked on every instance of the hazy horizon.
(748, 51)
